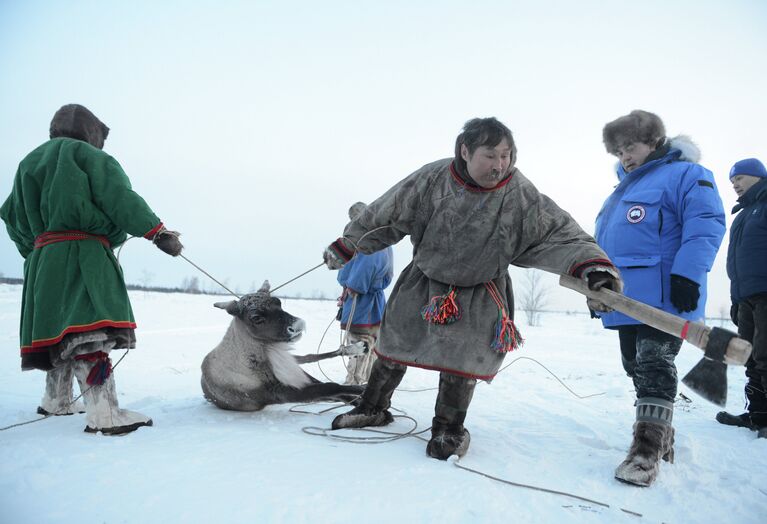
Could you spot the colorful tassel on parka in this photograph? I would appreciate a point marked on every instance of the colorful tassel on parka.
(507, 336)
(443, 309)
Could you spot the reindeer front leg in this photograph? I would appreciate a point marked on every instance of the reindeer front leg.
(352, 350)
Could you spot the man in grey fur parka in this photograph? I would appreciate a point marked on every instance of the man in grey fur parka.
(451, 310)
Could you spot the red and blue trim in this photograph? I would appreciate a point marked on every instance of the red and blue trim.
(42, 344)
(339, 248)
(152, 232)
(436, 368)
(477, 189)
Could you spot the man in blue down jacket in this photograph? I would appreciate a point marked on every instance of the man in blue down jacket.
(364, 279)
(747, 269)
(662, 227)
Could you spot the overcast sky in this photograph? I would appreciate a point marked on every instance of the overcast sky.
(252, 126)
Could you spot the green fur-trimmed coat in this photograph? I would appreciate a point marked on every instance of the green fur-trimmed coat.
(71, 204)
(463, 237)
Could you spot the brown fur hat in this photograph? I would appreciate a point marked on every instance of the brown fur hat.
(637, 126)
(76, 121)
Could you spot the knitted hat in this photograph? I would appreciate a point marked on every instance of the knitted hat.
(749, 166)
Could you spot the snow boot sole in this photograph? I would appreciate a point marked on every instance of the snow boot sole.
(118, 430)
(43, 411)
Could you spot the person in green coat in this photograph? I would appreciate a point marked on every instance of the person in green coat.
(70, 206)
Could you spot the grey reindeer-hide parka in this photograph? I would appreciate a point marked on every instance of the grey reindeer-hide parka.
(464, 237)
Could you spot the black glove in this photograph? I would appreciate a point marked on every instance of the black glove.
(734, 314)
(168, 241)
(684, 293)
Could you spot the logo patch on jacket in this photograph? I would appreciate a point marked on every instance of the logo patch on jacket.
(635, 214)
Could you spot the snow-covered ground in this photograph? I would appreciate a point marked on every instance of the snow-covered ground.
(202, 464)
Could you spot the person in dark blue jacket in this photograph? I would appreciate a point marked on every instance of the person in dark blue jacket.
(747, 269)
(662, 227)
(364, 279)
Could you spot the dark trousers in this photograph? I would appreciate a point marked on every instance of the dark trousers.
(752, 326)
(453, 399)
(648, 357)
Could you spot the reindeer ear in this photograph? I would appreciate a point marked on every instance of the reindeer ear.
(265, 287)
(232, 307)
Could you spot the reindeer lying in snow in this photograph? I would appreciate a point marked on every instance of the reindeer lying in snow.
(252, 366)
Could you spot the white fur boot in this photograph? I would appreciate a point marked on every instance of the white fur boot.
(653, 441)
(58, 393)
(101, 406)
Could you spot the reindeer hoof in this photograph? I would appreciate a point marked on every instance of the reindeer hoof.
(354, 350)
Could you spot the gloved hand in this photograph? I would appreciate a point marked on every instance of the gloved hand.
(168, 241)
(337, 254)
(331, 259)
(684, 293)
(596, 281)
(602, 279)
(734, 314)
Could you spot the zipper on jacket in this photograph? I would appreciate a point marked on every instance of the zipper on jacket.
(660, 239)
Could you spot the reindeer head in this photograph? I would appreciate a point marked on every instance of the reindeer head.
(264, 317)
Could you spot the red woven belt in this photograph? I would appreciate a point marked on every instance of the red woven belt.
(51, 237)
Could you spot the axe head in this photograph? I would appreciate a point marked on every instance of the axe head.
(709, 380)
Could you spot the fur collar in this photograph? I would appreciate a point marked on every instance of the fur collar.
(690, 150)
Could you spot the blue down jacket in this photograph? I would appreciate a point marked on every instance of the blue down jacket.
(368, 275)
(664, 217)
(747, 254)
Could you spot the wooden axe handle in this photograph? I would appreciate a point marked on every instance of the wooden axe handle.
(696, 333)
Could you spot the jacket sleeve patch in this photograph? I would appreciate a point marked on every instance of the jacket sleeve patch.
(705, 183)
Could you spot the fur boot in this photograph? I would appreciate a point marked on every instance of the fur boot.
(448, 436)
(58, 393)
(101, 407)
(447, 440)
(363, 416)
(373, 409)
(653, 441)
